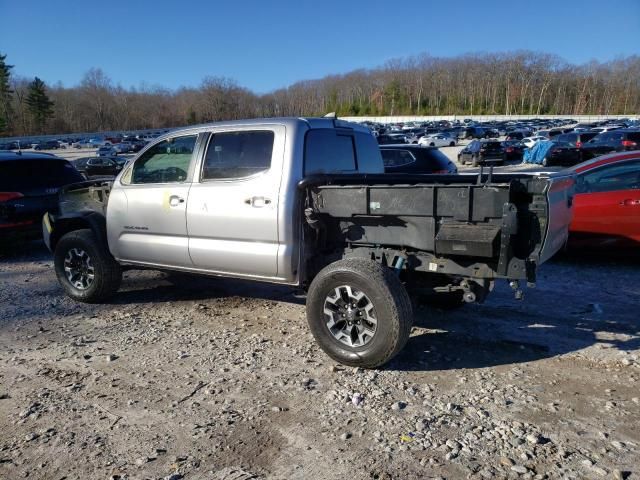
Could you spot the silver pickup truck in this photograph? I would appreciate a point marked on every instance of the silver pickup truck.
(305, 202)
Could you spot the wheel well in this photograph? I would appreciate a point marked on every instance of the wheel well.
(93, 222)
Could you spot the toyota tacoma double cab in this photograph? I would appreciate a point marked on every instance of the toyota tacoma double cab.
(305, 202)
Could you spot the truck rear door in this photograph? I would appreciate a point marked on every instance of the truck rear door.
(232, 212)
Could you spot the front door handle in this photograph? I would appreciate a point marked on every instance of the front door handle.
(258, 202)
(175, 200)
(629, 202)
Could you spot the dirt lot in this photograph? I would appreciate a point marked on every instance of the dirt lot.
(195, 378)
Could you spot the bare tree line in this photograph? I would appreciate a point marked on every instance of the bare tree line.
(523, 82)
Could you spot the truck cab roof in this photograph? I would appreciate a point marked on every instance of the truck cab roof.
(309, 122)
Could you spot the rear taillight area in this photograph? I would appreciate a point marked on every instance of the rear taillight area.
(6, 196)
(629, 143)
(578, 144)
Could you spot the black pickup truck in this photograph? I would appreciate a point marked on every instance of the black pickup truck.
(306, 203)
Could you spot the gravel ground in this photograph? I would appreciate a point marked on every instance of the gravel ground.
(197, 378)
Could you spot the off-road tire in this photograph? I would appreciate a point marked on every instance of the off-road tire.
(107, 271)
(389, 298)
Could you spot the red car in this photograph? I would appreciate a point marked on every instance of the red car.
(606, 205)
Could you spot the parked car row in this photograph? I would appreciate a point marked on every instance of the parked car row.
(127, 143)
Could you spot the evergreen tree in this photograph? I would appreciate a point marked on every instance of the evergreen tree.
(6, 111)
(38, 103)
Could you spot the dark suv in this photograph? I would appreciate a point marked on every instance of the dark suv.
(47, 145)
(614, 141)
(415, 159)
(519, 134)
(26, 196)
(577, 139)
(481, 151)
(475, 132)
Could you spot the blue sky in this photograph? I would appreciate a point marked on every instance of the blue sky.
(265, 45)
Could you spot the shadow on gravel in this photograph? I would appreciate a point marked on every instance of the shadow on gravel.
(583, 300)
(180, 287)
(24, 251)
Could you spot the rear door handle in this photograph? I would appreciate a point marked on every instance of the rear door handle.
(258, 202)
(175, 200)
(629, 202)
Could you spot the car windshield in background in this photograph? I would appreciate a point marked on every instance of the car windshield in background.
(24, 174)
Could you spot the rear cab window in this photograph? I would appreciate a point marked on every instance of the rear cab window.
(341, 150)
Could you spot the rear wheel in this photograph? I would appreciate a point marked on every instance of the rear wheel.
(452, 144)
(87, 272)
(359, 312)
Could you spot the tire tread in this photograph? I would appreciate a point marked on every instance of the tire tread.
(395, 295)
(106, 284)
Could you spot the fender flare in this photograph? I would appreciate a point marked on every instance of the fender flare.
(63, 224)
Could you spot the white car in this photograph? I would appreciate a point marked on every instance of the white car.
(437, 140)
(529, 142)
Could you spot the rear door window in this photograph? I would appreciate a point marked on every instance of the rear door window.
(237, 154)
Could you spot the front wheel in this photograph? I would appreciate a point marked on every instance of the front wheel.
(359, 312)
(87, 272)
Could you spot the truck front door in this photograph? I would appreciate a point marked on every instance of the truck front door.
(146, 216)
(232, 212)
